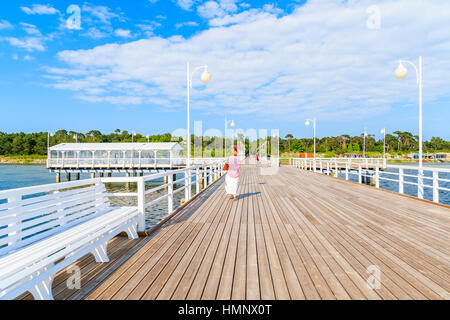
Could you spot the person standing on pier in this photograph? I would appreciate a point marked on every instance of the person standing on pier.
(232, 178)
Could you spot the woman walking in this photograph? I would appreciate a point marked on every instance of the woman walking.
(232, 178)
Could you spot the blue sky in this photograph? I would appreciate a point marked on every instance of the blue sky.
(273, 64)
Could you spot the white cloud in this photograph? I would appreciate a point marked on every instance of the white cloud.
(186, 24)
(148, 27)
(40, 9)
(185, 4)
(30, 29)
(228, 5)
(123, 33)
(29, 43)
(101, 13)
(320, 60)
(210, 9)
(95, 33)
(5, 25)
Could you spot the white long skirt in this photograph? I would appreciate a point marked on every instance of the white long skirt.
(232, 185)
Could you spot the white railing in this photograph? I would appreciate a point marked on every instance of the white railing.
(200, 176)
(376, 171)
(351, 161)
(105, 163)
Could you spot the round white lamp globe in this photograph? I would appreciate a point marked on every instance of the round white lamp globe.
(206, 76)
(401, 72)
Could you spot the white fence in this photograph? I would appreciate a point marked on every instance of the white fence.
(430, 178)
(200, 176)
(123, 162)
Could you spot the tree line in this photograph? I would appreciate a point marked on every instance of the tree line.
(36, 143)
(397, 143)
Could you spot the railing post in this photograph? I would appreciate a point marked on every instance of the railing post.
(186, 185)
(420, 184)
(141, 204)
(197, 180)
(436, 186)
(346, 171)
(359, 174)
(170, 193)
(205, 176)
(337, 169)
(321, 166)
(210, 175)
(400, 181)
(328, 168)
(16, 222)
(377, 177)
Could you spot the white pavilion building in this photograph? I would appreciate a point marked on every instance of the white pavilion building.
(114, 157)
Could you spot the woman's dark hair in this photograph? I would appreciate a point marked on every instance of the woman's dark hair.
(235, 149)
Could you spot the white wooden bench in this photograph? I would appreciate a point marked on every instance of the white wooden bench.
(44, 229)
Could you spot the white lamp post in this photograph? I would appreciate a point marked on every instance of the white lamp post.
(400, 73)
(75, 137)
(232, 125)
(308, 123)
(383, 132)
(148, 138)
(49, 134)
(364, 149)
(132, 136)
(205, 77)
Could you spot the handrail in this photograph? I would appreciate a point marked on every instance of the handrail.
(377, 171)
(200, 175)
(203, 174)
(105, 163)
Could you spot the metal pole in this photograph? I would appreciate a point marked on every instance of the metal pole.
(225, 139)
(188, 161)
(364, 148)
(420, 177)
(314, 140)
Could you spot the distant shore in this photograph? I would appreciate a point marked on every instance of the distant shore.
(31, 160)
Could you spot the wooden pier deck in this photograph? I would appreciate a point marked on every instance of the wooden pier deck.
(293, 235)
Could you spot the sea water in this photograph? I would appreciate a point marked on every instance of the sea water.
(20, 176)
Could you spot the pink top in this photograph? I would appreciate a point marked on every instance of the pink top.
(234, 165)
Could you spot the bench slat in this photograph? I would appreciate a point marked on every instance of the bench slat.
(15, 267)
(49, 228)
(38, 249)
(39, 204)
(49, 217)
(48, 196)
(16, 193)
(19, 288)
(54, 211)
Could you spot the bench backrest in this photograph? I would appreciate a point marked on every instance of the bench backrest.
(28, 215)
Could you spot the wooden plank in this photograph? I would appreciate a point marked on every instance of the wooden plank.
(293, 235)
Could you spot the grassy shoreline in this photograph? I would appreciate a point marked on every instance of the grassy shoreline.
(31, 160)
